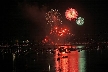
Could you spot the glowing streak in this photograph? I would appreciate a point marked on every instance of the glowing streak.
(82, 61)
(49, 67)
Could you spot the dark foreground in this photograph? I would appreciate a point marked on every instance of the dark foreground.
(51, 61)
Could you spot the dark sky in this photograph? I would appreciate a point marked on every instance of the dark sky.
(25, 18)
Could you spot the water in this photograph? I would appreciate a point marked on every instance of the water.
(33, 61)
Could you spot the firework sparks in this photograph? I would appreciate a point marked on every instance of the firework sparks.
(53, 17)
(59, 31)
(71, 14)
(57, 35)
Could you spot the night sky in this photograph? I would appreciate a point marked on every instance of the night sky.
(22, 19)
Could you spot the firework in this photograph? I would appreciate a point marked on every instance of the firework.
(63, 32)
(47, 40)
(71, 14)
(59, 31)
(53, 17)
(80, 21)
(57, 35)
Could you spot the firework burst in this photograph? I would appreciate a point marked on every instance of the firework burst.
(71, 14)
(53, 17)
(80, 21)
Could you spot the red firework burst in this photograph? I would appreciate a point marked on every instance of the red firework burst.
(59, 31)
(71, 14)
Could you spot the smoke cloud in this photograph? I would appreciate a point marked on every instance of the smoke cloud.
(35, 15)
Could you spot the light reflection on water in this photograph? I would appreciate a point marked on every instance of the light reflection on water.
(72, 62)
(64, 62)
(48, 61)
(82, 61)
